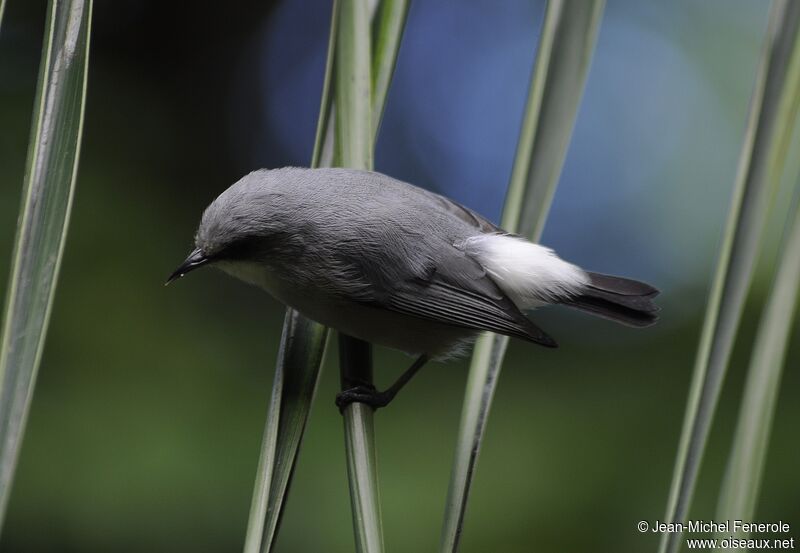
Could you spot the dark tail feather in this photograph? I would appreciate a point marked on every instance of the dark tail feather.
(618, 299)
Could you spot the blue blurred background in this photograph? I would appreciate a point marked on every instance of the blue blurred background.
(146, 423)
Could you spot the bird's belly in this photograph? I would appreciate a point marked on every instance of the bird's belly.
(375, 325)
(380, 326)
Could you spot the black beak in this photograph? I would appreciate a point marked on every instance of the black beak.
(196, 259)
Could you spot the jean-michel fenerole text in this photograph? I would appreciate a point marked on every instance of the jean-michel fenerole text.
(725, 526)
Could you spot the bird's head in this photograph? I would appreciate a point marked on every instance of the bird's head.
(244, 224)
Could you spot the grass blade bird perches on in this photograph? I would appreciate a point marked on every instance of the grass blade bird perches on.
(50, 174)
(761, 162)
(354, 147)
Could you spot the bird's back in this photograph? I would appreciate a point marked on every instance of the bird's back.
(372, 197)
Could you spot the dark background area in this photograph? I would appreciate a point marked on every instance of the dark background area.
(147, 418)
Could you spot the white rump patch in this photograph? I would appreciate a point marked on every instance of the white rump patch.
(531, 275)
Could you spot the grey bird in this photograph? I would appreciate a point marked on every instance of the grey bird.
(396, 265)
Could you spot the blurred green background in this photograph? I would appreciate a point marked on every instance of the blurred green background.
(147, 418)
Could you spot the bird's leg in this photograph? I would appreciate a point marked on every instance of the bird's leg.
(368, 395)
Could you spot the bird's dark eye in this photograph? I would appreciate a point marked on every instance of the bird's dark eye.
(242, 248)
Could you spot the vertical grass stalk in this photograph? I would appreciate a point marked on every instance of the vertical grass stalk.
(295, 382)
(364, 68)
(355, 360)
(354, 148)
(323, 139)
(2, 11)
(749, 450)
(50, 175)
(387, 30)
(772, 111)
(352, 80)
(562, 64)
(742, 481)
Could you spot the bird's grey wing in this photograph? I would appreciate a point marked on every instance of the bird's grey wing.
(461, 212)
(441, 302)
(409, 263)
(454, 289)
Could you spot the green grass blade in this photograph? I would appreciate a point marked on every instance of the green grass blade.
(324, 137)
(296, 376)
(387, 30)
(481, 383)
(360, 98)
(363, 474)
(354, 148)
(388, 23)
(746, 462)
(763, 155)
(355, 359)
(562, 64)
(2, 11)
(353, 86)
(47, 198)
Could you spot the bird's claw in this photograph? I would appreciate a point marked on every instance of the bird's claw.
(366, 394)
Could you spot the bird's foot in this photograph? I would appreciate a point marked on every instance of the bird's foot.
(366, 394)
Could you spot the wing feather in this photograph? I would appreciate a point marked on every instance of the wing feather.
(441, 302)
